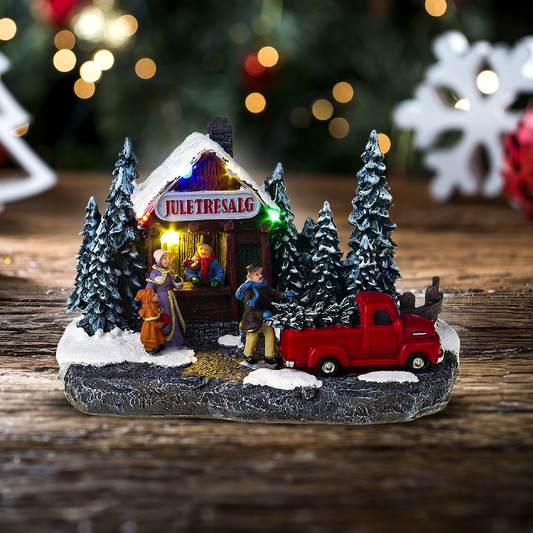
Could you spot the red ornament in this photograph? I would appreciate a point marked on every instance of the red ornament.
(518, 163)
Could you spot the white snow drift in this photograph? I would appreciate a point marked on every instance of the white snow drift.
(117, 346)
(286, 378)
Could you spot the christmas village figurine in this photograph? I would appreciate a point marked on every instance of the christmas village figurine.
(163, 281)
(335, 331)
(257, 297)
(204, 269)
(155, 320)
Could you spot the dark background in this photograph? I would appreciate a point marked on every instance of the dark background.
(381, 47)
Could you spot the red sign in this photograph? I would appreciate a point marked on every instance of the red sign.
(207, 205)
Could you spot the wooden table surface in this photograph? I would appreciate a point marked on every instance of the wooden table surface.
(468, 468)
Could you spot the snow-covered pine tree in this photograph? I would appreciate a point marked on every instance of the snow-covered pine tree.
(306, 246)
(103, 307)
(284, 237)
(370, 264)
(326, 276)
(124, 236)
(84, 257)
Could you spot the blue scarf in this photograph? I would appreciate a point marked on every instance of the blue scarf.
(250, 285)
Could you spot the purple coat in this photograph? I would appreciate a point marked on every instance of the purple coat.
(161, 280)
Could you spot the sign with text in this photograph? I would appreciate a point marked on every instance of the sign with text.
(209, 205)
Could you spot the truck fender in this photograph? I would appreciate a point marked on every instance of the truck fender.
(407, 349)
(319, 352)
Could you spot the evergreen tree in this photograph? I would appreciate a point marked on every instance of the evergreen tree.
(284, 237)
(295, 316)
(103, 307)
(306, 246)
(84, 257)
(370, 263)
(125, 239)
(326, 276)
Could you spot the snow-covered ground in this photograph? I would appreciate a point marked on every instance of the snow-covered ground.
(389, 376)
(76, 347)
(286, 378)
(448, 337)
(230, 340)
(117, 346)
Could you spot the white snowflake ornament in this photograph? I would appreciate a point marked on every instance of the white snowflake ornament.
(39, 176)
(482, 118)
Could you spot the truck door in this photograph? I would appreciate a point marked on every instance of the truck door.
(384, 338)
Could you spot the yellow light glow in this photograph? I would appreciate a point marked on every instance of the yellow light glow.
(343, 92)
(65, 40)
(7, 260)
(239, 33)
(145, 68)
(90, 71)
(488, 82)
(20, 131)
(255, 102)
(104, 59)
(84, 89)
(90, 24)
(384, 143)
(436, 8)
(463, 104)
(128, 24)
(170, 238)
(64, 60)
(8, 28)
(339, 128)
(322, 109)
(268, 56)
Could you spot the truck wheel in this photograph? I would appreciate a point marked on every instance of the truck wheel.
(328, 367)
(418, 362)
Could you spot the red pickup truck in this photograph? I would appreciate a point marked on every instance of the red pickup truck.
(383, 337)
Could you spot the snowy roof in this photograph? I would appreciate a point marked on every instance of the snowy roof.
(180, 164)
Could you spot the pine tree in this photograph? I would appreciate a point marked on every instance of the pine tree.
(326, 276)
(125, 238)
(103, 308)
(306, 246)
(370, 263)
(284, 237)
(84, 257)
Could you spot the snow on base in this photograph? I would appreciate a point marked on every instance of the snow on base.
(286, 378)
(117, 346)
(389, 376)
(230, 340)
(448, 337)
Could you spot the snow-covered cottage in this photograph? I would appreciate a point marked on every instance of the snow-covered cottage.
(200, 190)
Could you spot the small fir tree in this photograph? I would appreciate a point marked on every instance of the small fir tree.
(284, 237)
(84, 257)
(103, 307)
(326, 276)
(125, 238)
(370, 265)
(306, 246)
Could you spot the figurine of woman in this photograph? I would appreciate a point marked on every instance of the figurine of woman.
(164, 281)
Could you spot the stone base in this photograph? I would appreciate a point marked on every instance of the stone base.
(141, 389)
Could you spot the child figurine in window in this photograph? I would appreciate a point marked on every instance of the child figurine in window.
(164, 281)
(154, 321)
(204, 269)
(257, 297)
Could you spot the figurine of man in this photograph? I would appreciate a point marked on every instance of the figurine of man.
(204, 269)
(257, 297)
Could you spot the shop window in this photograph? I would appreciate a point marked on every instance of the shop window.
(185, 247)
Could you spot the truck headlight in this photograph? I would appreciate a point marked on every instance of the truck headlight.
(289, 364)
